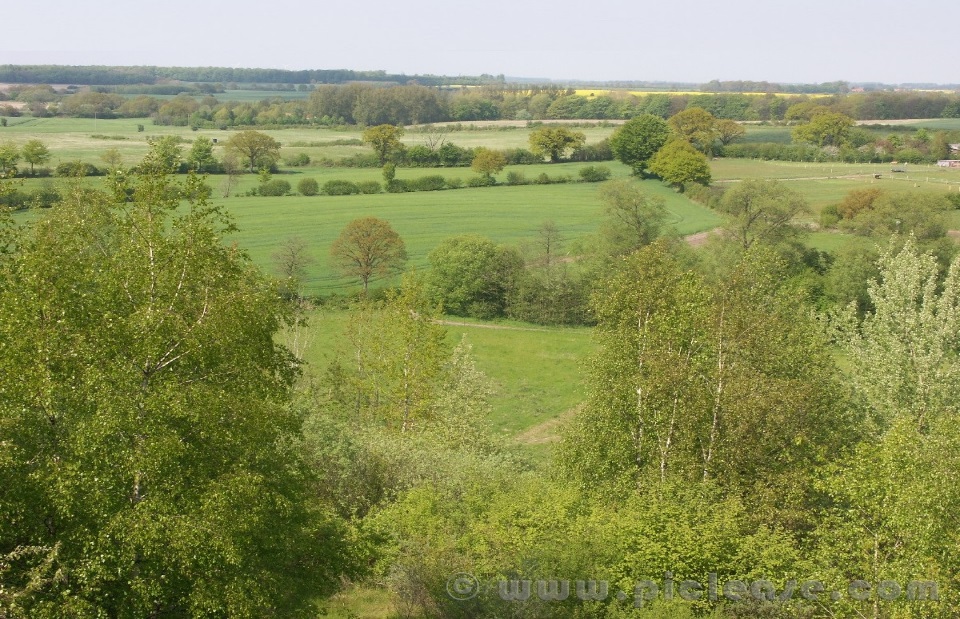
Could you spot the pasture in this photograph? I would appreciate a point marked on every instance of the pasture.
(535, 371)
(423, 219)
(86, 139)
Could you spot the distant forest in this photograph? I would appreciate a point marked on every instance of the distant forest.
(119, 75)
(188, 96)
(115, 76)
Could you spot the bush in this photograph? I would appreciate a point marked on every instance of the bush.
(457, 183)
(451, 155)
(516, 178)
(829, 216)
(773, 151)
(600, 151)
(707, 195)
(275, 187)
(15, 200)
(434, 182)
(594, 174)
(308, 187)
(77, 168)
(357, 160)
(544, 179)
(397, 185)
(910, 155)
(340, 188)
(521, 156)
(422, 157)
(369, 187)
(481, 181)
(298, 161)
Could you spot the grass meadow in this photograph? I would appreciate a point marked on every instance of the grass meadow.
(536, 371)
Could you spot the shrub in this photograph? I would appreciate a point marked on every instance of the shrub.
(910, 155)
(358, 160)
(829, 216)
(451, 155)
(15, 200)
(481, 181)
(457, 183)
(544, 179)
(369, 187)
(516, 178)
(297, 161)
(707, 195)
(521, 156)
(600, 151)
(275, 187)
(434, 182)
(594, 174)
(308, 187)
(77, 168)
(397, 185)
(421, 156)
(340, 188)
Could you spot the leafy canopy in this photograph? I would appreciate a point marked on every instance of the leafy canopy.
(147, 458)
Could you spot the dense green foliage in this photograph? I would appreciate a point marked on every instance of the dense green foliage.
(148, 449)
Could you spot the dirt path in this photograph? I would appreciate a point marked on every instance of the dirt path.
(548, 431)
(700, 238)
(453, 323)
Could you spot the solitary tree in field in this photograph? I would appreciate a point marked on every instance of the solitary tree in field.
(259, 149)
(368, 247)
(201, 156)
(679, 163)
(634, 217)
(385, 140)
(35, 152)
(112, 158)
(728, 131)
(762, 210)
(825, 129)
(488, 162)
(638, 140)
(554, 142)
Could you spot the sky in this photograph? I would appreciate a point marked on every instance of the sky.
(595, 40)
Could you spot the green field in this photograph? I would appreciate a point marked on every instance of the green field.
(536, 371)
(828, 183)
(70, 139)
(423, 219)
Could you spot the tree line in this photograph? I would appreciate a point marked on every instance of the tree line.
(406, 103)
(105, 75)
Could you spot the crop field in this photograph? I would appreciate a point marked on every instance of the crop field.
(423, 219)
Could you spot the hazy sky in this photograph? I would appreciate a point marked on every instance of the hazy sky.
(692, 41)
